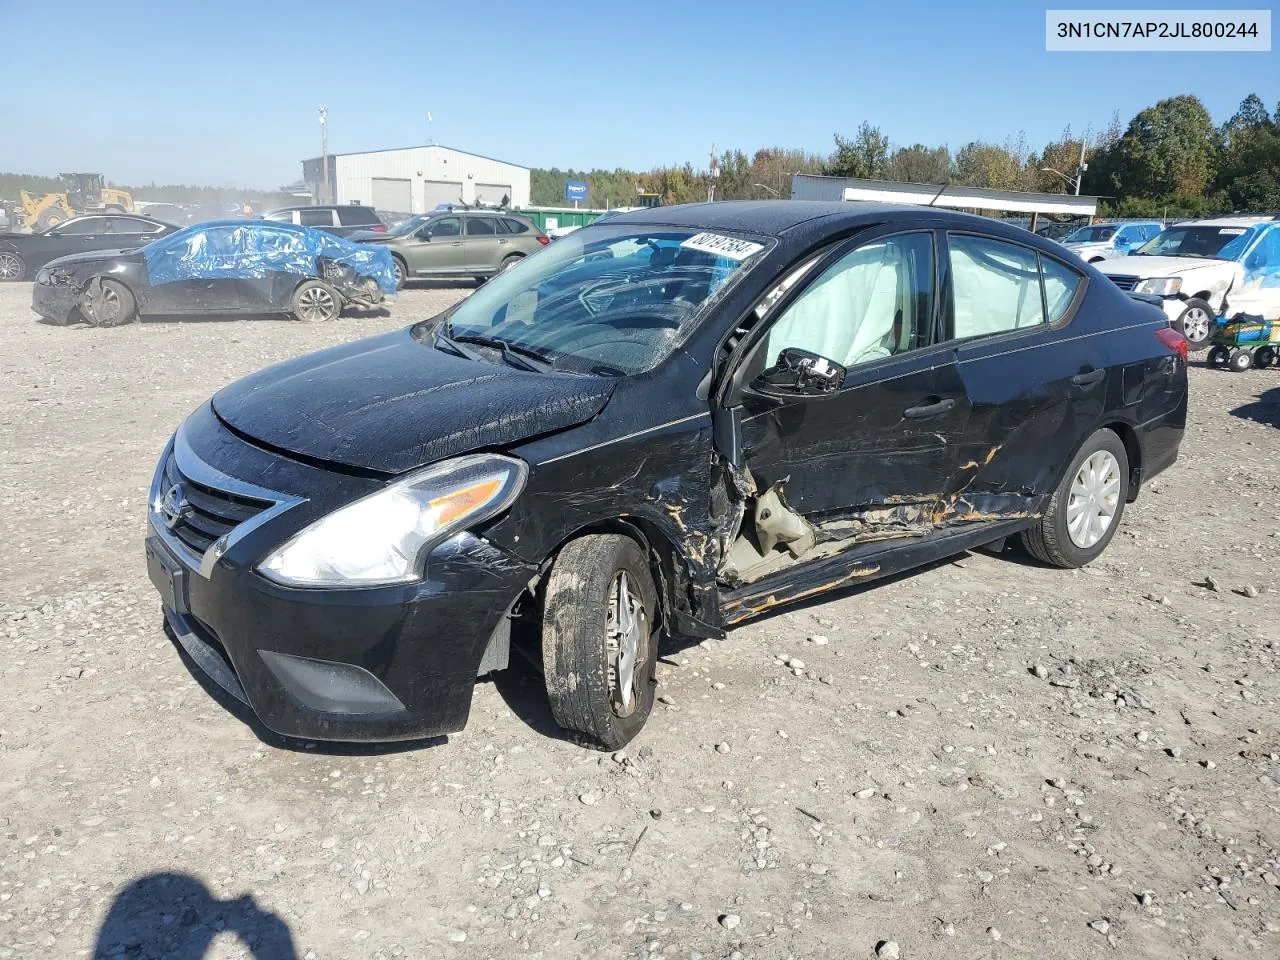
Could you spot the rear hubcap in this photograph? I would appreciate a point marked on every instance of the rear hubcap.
(626, 639)
(1094, 499)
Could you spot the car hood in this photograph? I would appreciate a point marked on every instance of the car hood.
(90, 256)
(393, 402)
(1159, 266)
(1090, 247)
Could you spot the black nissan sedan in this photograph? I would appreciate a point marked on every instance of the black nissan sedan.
(650, 431)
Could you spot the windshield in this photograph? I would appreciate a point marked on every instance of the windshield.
(1094, 234)
(406, 227)
(611, 301)
(1220, 243)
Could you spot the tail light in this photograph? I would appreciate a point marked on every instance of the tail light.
(543, 239)
(379, 228)
(1174, 341)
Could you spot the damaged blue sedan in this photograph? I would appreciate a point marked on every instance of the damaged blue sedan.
(226, 267)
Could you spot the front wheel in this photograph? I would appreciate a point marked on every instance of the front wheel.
(106, 303)
(1196, 323)
(11, 266)
(1240, 360)
(401, 272)
(315, 301)
(600, 639)
(1085, 510)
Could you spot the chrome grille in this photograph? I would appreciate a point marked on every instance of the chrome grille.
(1125, 283)
(206, 513)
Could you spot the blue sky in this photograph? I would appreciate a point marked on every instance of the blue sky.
(225, 93)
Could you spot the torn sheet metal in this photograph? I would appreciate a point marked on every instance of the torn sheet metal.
(256, 249)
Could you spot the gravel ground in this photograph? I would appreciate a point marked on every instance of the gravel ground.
(983, 759)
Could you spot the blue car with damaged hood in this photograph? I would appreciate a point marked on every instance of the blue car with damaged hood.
(224, 267)
(652, 430)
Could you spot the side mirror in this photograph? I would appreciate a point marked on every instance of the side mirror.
(424, 234)
(799, 372)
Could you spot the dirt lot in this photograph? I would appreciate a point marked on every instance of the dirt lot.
(984, 759)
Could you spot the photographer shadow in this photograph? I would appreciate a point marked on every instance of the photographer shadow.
(174, 916)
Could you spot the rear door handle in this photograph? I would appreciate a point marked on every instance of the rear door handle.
(924, 411)
(1091, 376)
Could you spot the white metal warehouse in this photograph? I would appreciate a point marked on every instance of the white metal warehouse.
(416, 179)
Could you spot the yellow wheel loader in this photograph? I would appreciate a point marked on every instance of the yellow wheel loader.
(83, 193)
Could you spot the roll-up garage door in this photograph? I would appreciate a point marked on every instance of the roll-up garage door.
(392, 196)
(440, 191)
(491, 194)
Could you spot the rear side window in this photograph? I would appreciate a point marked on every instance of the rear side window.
(354, 216)
(129, 225)
(516, 226)
(80, 228)
(995, 286)
(479, 226)
(1060, 285)
(316, 218)
(280, 216)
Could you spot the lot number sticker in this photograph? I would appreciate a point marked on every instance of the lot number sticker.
(723, 246)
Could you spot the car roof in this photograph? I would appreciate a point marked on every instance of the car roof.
(777, 217)
(320, 206)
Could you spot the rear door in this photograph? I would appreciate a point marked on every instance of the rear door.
(881, 449)
(1034, 372)
(481, 244)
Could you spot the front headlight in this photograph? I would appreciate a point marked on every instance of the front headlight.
(1160, 286)
(379, 539)
(53, 277)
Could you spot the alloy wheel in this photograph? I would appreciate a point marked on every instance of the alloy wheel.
(10, 267)
(626, 639)
(316, 303)
(1196, 324)
(1094, 499)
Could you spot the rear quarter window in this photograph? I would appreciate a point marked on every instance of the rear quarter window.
(516, 226)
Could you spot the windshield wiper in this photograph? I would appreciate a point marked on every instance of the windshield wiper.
(521, 357)
(454, 347)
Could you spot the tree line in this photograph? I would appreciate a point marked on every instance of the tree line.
(1170, 160)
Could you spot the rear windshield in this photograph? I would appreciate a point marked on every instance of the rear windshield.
(350, 216)
(612, 301)
(1094, 234)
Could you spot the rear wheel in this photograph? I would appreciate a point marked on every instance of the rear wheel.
(1240, 360)
(11, 266)
(1218, 355)
(1196, 323)
(1085, 510)
(315, 301)
(599, 639)
(106, 303)
(510, 261)
(1264, 358)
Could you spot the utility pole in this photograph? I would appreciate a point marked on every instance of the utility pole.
(1083, 166)
(324, 153)
(715, 172)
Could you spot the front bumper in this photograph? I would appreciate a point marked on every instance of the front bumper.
(55, 303)
(383, 663)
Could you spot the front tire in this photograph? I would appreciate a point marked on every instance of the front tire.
(1085, 511)
(107, 303)
(315, 302)
(1196, 323)
(402, 271)
(600, 639)
(1240, 360)
(12, 266)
